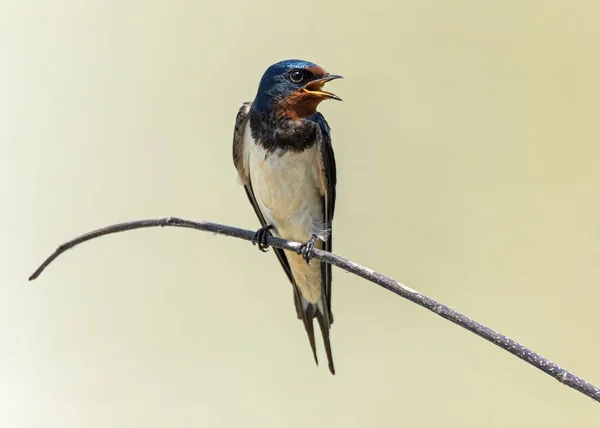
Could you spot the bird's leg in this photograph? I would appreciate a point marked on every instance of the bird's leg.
(306, 249)
(260, 238)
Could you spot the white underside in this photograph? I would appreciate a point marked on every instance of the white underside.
(286, 188)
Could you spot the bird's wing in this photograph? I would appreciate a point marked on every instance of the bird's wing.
(327, 172)
(238, 142)
(326, 180)
(244, 178)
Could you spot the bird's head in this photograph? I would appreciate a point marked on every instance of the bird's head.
(293, 89)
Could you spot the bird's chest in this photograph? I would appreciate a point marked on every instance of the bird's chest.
(284, 181)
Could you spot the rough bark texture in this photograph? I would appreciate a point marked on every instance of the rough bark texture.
(520, 351)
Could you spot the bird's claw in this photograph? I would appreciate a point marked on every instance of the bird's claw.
(306, 250)
(260, 238)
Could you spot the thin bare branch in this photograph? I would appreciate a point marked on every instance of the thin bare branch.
(520, 351)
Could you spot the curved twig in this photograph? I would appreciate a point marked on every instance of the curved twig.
(563, 376)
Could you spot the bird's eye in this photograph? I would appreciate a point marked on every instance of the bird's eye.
(296, 76)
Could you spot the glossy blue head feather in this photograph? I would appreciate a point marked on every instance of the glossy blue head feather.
(292, 87)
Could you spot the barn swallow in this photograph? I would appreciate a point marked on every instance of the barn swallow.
(283, 154)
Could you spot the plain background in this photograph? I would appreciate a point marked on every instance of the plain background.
(468, 162)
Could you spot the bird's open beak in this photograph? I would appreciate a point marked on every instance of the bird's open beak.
(315, 87)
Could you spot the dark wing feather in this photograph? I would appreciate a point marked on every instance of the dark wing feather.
(328, 179)
(238, 160)
(238, 142)
(328, 169)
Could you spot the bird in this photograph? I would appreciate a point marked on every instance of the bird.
(285, 161)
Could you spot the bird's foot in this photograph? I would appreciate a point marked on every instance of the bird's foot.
(306, 250)
(260, 238)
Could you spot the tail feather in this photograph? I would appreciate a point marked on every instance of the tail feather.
(307, 312)
(325, 325)
(307, 321)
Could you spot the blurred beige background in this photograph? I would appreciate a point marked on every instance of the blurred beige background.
(468, 159)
